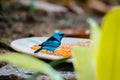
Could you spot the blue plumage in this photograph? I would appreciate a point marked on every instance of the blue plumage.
(51, 43)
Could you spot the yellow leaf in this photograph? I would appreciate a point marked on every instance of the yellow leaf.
(108, 63)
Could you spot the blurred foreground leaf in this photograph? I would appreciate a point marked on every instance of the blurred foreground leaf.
(57, 62)
(52, 63)
(84, 58)
(31, 63)
(83, 63)
(95, 31)
(95, 34)
(108, 64)
(95, 37)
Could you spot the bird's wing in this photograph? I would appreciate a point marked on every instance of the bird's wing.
(49, 45)
(49, 41)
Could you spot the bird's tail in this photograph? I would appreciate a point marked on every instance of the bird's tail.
(38, 50)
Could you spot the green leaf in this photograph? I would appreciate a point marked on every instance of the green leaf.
(95, 30)
(33, 77)
(31, 63)
(32, 5)
(108, 62)
(57, 62)
(83, 63)
(53, 64)
(95, 35)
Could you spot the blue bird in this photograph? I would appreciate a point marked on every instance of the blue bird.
(51, 43)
